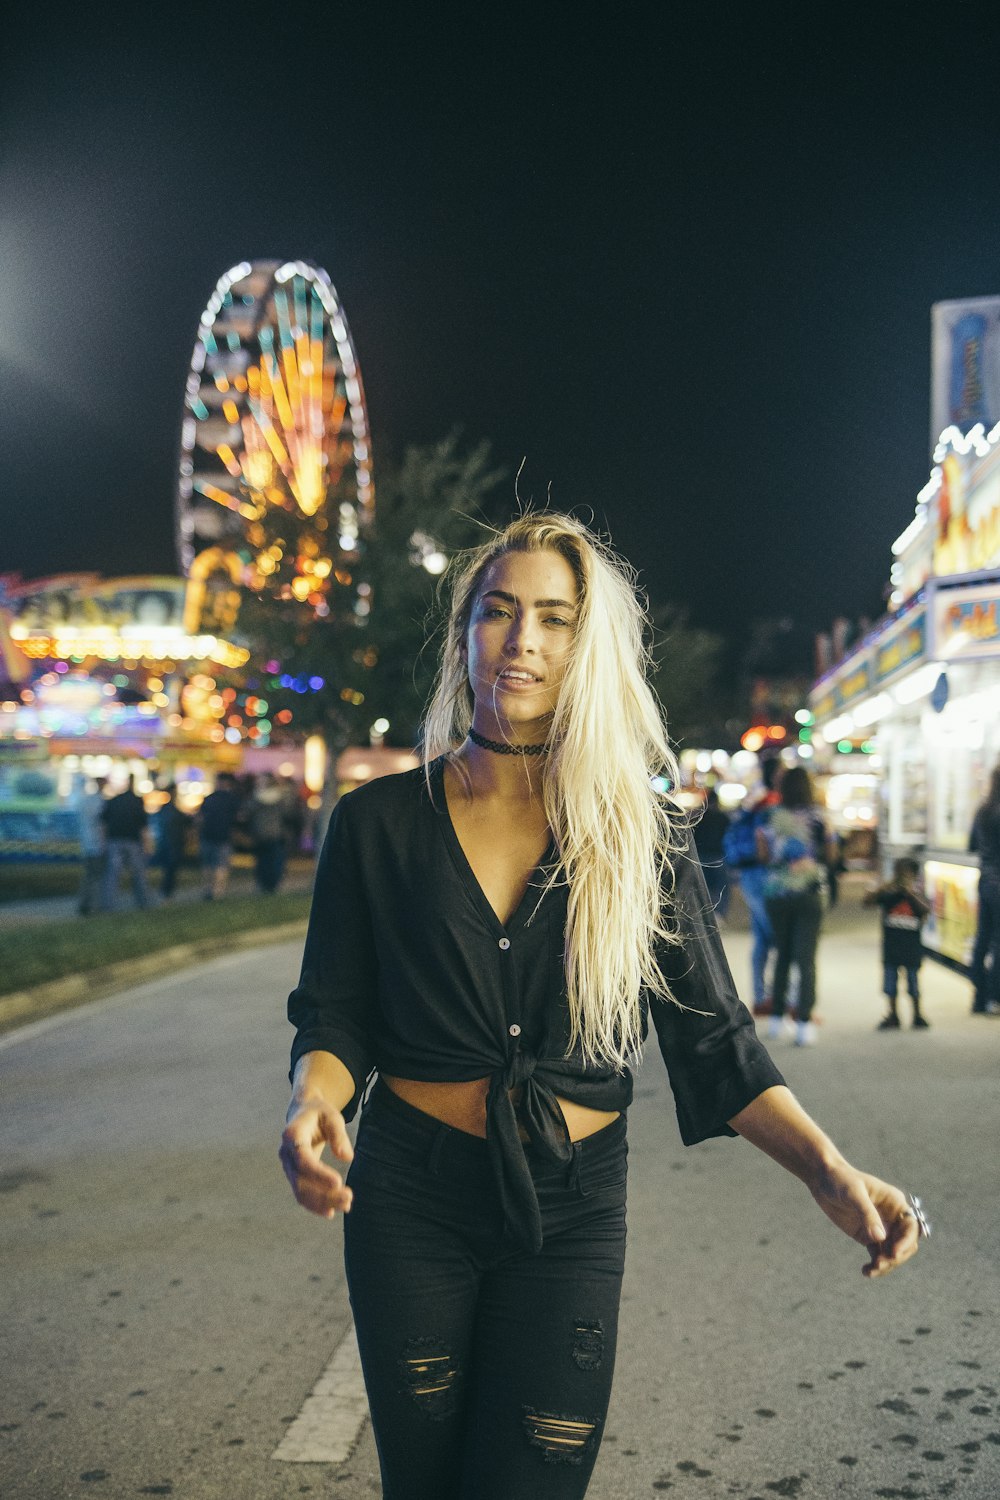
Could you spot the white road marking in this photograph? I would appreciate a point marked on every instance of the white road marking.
(326, 1429)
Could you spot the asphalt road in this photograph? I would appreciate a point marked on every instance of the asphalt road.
(167, 1309)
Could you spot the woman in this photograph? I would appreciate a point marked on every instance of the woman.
(984, 840)
(490, 933)
(794, 847)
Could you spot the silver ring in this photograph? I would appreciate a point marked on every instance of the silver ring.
(917, 1212)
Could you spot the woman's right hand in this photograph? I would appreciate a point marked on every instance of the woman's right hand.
(308, 1128)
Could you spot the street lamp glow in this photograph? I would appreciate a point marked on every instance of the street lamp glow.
(435, 562)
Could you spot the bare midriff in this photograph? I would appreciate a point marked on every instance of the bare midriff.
(463, 1106)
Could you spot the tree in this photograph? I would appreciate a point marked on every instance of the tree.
(364, 657)
(689, 678)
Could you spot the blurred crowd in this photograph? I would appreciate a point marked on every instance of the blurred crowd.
(121, 840)
(781, 851)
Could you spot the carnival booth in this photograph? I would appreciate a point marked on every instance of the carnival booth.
(921, 692)
(102, 678)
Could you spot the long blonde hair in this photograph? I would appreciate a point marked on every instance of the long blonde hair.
(614, 833)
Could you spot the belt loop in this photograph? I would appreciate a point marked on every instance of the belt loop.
(575, 1179)
(437, 1146)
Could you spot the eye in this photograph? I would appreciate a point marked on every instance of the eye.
(558, 620)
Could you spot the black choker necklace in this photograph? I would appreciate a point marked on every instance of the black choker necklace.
(499, 748)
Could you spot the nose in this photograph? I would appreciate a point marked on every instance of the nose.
(521, 636)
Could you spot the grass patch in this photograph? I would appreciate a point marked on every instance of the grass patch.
(50, 950)
(32, 879)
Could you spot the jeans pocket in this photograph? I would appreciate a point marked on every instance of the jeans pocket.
(390, 1147)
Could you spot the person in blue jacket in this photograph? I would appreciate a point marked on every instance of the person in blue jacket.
(491, 935)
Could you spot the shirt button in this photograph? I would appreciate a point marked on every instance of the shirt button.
(505, 944)
(515, 1030)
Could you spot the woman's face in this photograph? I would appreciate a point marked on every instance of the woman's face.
(519, 642)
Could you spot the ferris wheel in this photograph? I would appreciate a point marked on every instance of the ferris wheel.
(275, 486)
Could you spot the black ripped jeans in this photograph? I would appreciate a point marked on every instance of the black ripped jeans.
(488, 1369)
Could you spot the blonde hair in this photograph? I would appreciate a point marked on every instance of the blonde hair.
(614, 833)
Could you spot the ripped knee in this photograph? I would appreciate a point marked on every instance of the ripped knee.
(562, 1440)
(431, 1377)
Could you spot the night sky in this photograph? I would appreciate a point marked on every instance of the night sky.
(679, 258)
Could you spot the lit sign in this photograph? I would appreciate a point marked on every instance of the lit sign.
(853, 683)
(951, 925)
(967, 623)
(905, 647)
(965, 363)
(856, 684)
(967, 506)
(164, 645)
(126, 619)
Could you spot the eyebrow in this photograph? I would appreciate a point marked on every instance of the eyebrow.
(539, 603)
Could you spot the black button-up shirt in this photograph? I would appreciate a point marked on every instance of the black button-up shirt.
(407, 969)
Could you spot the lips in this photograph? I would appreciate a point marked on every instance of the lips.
(515, 674)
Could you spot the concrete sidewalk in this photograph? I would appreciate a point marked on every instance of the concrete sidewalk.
(168, 1302)
(849, 969)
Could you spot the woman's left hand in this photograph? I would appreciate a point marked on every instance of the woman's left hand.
(873, 1212)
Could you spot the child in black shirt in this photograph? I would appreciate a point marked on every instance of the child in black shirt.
(903, 913)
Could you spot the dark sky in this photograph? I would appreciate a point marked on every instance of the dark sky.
(679, 257)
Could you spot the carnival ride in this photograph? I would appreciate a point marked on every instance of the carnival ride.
(275, 487)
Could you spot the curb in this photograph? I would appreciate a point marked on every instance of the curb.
(22, 1006)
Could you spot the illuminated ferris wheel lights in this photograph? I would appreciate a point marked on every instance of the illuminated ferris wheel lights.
(229, 459)
(271, 438)
(277, 415)
(258, 469)
(230, 502)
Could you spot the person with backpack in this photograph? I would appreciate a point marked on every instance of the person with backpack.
(793, 847)
(741, 854)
